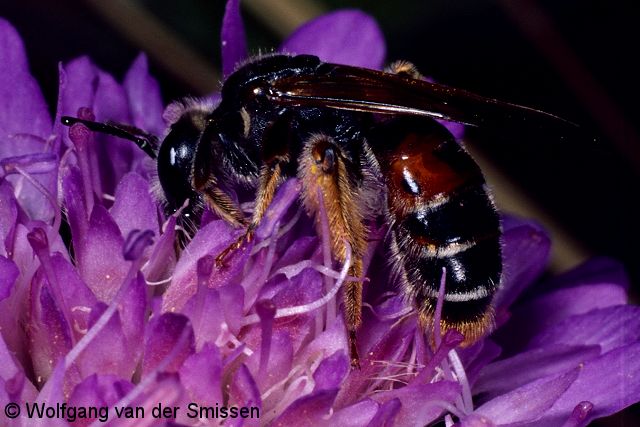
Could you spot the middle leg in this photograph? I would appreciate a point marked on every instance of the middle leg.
(324, 171)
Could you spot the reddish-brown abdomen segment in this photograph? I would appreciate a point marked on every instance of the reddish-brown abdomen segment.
(441, 216)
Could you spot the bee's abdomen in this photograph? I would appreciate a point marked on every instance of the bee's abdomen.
(461, 235)
(441, 217)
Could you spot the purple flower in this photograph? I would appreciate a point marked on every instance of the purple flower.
(110, 316)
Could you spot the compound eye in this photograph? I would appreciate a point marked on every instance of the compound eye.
(175, 162)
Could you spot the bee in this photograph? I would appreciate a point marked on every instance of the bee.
(362, 143)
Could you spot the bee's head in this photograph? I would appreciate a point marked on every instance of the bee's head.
(176, 156)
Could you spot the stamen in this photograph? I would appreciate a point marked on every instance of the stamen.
(239, 347)
(446, 406)
(291, 271)
(437, 333)
(204, 268)
(281, 232)
(382, 318)
(451, 339)
(81, 137)
(252, 287)
(422, 349)
(414, 350)
(462, 379)
(84, 310)
(579, 414)
(159, 282)
(266, 310)
(325, 237)
(389, 378)
(33, 163)
(40, 245)
(448, 421)
(305, 308)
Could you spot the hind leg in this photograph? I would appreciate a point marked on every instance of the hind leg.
(323, 171)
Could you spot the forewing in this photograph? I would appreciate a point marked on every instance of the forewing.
(359, 89)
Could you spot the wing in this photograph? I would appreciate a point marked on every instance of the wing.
(359, 89)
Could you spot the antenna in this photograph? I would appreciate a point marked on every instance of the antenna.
(147, 142)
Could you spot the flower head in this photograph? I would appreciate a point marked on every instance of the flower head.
(110, 315)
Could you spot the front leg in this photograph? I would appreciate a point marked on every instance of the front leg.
(276, 145)
(270, 177)
(324, 170)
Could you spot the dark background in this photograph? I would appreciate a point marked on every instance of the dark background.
(575, 58)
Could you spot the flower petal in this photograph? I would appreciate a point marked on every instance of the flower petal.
(133, 313)
(331, 371)
(529, 402)
(107, 353)
(162, 334)
(201, 376)
(163, 258)
(75, 204)
(143, 95)
(526, 249)
(244, 391)
(211, 239)
(420, 402)
(387, 414)
(489, 352)
(78, 80)
(390, 347)
(134, 208)
(8, 218)
(308, 410)
(16, 308)
(232, 298)
(23, 110)
(111, 104)
(52, 393)
(100, 258)
(234, 43)
(610, 382)
(343, 37)
(34, 178)
(509, 374)
(78, 298)
(279, 362)
(357, 415)
(8, 274)
(610, 328)
(49, 333)
(206, 315)
(13, 381)
(98, 391)
(539, 314)
(287, 194)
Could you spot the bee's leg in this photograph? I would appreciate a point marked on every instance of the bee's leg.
(220, 203)
(323, 169)
(276, 145)
(270, 177)
(404, 68)
(204, 181)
